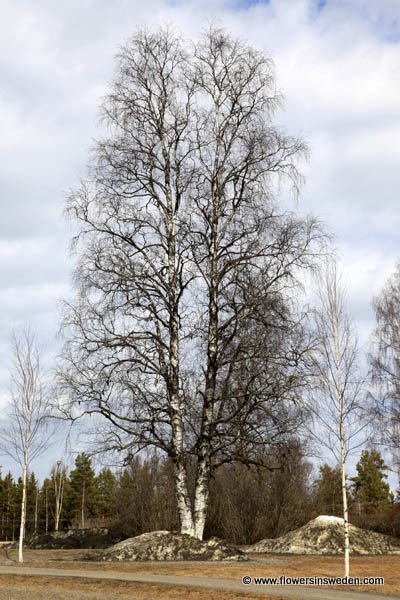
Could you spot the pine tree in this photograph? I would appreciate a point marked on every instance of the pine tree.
(371, 491)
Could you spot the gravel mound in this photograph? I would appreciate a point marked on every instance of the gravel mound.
(95, 537)
(324, 535)
(165, 545)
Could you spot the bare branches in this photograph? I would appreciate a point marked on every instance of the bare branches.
(339, 383)
(338, 392)
(385, 363)
(178, 225)
(26, 433)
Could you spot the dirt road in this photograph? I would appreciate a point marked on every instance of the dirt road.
(303, 593)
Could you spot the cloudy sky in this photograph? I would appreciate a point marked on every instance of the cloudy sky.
(337, 63)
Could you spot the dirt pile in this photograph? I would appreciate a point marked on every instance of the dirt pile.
(324, 535)
(165, 545)
(95, 537)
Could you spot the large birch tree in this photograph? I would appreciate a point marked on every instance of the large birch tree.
(185, 260)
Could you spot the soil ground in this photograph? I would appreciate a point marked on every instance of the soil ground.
(259, 565)
(14, 587)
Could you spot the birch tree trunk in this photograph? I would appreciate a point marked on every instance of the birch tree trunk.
(204, 458)
(345, 514)
(337, 333)
(58, 475)
(23, 510)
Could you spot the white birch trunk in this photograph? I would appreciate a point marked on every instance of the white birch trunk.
(340, 394)
(204, 456)
(201, 498)
(181, 486)
(59, 482)
(23, 510)
(56, 519)
(183, 500)
(345, 514)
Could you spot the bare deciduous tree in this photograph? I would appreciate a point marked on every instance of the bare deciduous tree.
(26, 433)
(385, 362)
(338, 383)
(58, 479)
(178, 226)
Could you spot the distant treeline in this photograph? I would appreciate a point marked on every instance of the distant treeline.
(246, 503)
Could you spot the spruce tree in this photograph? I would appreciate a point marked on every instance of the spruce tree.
(371, 491)
(32, 501)
(10, 508)
(107, 489)
(82, 492)
(328, 491)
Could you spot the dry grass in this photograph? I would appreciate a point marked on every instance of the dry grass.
(13, 587)
(261, 565)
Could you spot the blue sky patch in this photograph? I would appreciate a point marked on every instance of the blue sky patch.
(244, 4)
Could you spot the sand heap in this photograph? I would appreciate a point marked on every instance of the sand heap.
(165, 545)
(324, 535)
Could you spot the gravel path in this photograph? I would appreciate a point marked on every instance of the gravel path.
(304, 593)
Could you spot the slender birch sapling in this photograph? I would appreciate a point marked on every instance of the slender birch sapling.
(26, 432)
(338, 385)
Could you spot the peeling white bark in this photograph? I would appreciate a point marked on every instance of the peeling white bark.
(183, 500)
(201, 498)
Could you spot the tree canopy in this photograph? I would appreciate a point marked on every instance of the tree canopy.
(185, 258)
